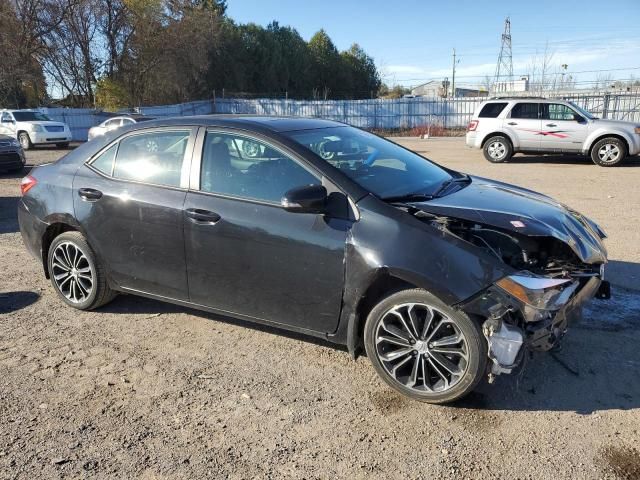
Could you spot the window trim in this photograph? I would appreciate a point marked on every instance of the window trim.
(539, 117)
(186, 160)
(194, 180)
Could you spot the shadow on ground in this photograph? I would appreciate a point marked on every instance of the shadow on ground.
(595, 370)
(8, 214)
(13, 301)
(633, 161)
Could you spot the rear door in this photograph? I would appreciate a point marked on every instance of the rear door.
(129, 199)
(524, 124)
(564, 129)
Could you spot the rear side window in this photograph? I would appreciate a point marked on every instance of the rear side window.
(154, 157)
(492, 110)
(525, 110)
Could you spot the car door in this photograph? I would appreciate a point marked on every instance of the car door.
(129, 199)
(564, 129)
(523, 122)
(247, 255)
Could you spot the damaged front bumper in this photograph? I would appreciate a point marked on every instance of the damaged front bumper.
(516, 322)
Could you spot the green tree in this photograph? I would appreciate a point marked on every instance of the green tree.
(325, 66)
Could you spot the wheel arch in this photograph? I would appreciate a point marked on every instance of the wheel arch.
(495, 134)
(608, 135)
(383, 284)
(51, 232)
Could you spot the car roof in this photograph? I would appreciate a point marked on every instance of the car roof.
(258, 123)
(526, 99)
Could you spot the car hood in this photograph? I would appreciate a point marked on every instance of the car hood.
(523, 211)
(601, 122)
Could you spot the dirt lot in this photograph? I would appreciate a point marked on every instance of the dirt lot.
(147, 390)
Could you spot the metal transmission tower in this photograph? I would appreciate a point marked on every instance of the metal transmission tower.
(503, 81)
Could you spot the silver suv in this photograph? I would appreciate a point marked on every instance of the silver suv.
(504, 126)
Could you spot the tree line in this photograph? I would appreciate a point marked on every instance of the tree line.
(122, 53)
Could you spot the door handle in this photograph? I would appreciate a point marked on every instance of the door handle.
(90, 194)
(512, 123)
(551, 125)
(198, 215)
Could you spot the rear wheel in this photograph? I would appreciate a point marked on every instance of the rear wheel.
(608, 152)
(76, 275)
(497, 149)
(25, 141)
(424, 349)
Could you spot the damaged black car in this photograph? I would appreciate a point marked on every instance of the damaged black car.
(442, 278)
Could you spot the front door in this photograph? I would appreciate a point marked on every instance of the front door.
(245, 254)
(563, 128)
(523, 123)
(128, 200)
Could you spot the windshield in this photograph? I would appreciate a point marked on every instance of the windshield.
(582, 111)
(376, 164)
(30, 116)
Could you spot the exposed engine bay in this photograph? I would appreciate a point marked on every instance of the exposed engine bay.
(533, 307)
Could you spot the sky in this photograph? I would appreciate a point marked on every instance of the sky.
(412, 41)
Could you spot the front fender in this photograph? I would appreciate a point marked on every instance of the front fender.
(608, 132)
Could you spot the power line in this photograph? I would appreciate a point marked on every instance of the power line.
(426, 79)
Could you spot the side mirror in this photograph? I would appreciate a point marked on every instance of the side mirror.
(307, 199)
(578, 118)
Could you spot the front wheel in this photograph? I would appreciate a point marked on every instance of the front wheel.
(76, 275)
(424, 349)
(608, 152)
(497, 149)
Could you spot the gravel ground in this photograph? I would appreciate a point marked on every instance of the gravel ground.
(148, 390)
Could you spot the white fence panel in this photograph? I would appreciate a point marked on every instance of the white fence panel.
(401, 113)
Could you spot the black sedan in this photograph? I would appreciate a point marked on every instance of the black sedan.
(443, 278)
(11, 154)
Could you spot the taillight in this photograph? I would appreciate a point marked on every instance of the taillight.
(473, 124)
(27, 184)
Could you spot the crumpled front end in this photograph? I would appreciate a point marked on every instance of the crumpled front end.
(558, 265)
(527, 312)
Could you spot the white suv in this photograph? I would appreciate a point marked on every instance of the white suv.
(504, 126)
(31, 127)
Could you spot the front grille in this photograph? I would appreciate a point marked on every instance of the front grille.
(54, 128)
(5, 143)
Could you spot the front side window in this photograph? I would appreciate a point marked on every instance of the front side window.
(30, 117)
(244, 167)
(525, 110)
(558, 111)
(377, 165)
(154, 157)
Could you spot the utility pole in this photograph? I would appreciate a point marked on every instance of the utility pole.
(453, 75)
(504, 68)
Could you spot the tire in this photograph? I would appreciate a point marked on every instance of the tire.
(497, 149)
(422, 373)
(62, 145)
(25, 141)
(71, 254)
(608, 152)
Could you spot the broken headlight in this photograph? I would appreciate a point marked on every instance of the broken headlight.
(539, 295)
